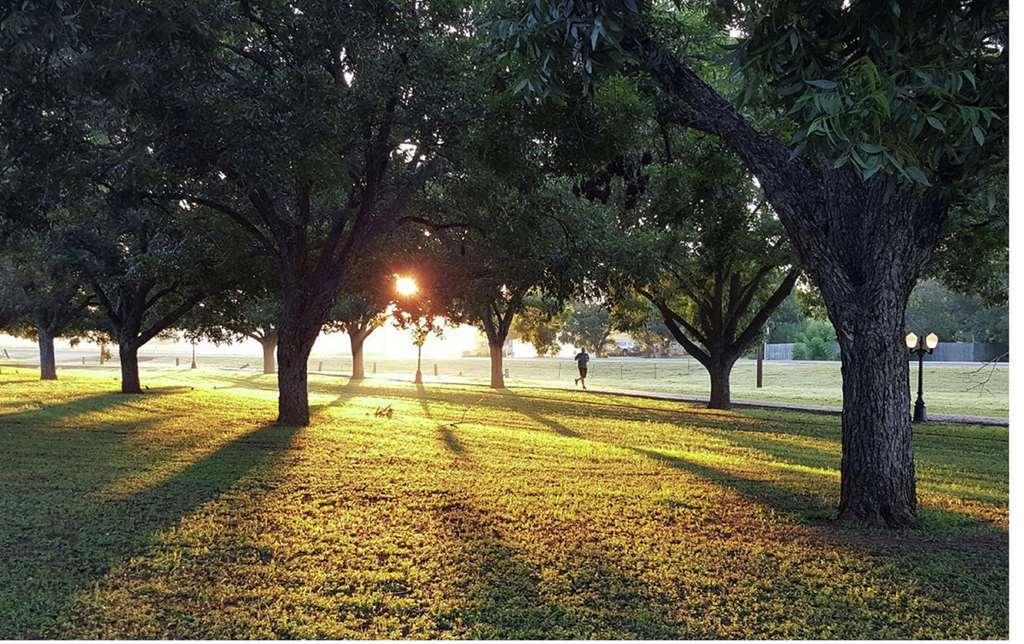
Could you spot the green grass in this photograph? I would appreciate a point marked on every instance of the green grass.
(185, 512)
(951, 390)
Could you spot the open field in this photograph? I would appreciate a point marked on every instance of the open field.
(185, 512)
(960, 389)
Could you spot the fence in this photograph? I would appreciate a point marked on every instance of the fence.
(945, 352)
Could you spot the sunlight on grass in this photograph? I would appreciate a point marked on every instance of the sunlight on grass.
(186, 512)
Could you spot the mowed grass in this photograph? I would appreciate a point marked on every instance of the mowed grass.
(186, 512)
(973, 390)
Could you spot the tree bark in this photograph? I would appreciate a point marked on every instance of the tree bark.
(719, 370)
(864, 244)
(497, 365)
(293, 347)
(357, 338)
(47, 358)
(269, 343)
(129, 357)
(878, 481)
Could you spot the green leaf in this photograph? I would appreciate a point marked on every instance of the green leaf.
(979, 136)
(935, 123)
(822, 84)
(918, 175)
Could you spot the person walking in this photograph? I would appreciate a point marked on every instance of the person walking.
(582, 358)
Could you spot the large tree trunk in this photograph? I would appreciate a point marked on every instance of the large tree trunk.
(719, 371)
(357, 338)
(497, 365)
(269, 348)
(292, 358)
(129, 357)
(864, 244)
(878, 483)
(47, 358)
(866, 268)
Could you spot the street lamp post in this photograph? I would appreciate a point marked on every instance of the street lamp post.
(921, 346)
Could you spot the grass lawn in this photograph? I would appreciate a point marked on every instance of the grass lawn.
(948, 389)
(185, 512)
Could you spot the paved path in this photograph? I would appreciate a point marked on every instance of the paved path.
(764, 404)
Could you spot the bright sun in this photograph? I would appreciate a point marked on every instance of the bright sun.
(405, 286)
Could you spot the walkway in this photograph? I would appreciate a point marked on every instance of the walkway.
(764, 404)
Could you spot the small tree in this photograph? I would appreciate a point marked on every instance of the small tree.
(816, 342)
(362, 308)
(588, 327)
(237, 313)
(147, 268)
(41, 294)
(540, 323)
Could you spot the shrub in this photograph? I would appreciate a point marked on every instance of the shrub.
(816, 342)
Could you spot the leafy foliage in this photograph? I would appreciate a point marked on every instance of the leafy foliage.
(540, 323)
(816, 342)
(914, 88)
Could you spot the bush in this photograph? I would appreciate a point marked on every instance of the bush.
(816, 342)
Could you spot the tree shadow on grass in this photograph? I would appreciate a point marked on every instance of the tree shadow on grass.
(65, 541)
(508, 596)
(47, 414)
(343, 393)
(445, 430)
(528, 409)
(941, 559)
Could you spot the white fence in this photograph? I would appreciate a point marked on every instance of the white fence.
(945, 352)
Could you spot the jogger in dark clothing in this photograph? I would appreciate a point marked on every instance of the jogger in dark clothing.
(582, 358)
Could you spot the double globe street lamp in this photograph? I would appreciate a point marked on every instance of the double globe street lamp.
(921, 346)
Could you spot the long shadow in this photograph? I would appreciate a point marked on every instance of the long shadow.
(345, 393)
(46, 413)
(503, 585)
(445, 430)
(63, 541)
(529, 410)
(936, 559)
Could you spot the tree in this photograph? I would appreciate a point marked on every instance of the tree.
(639, 318)
(506, 226)
(815, 342)
(588, 327)
(309, 129)
(787, 321)
(242, 311)
(884, 110)
(42, 295)
(540, 323)
(934, 308)
(147, 267)
(699, 242)
(362, 308)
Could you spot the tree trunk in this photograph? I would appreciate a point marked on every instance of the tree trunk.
(868, 265)
(47, 358)
(719, 372)
(129, 357)
(269, 348)
(357, 338)
(878, 483)
(864, 244)
(497, 365)
(292, 360)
